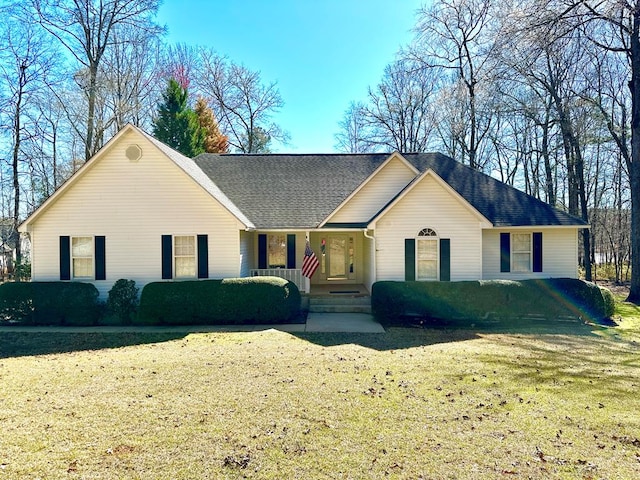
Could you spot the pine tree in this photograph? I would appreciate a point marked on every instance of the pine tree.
(177, 125)
(214, 140)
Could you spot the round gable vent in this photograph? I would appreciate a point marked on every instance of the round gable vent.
(133, 153)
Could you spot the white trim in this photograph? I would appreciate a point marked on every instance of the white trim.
(426, 238)
(512, 253)
(174, 256)
(75, 277)
(394, 155)
(485, 223)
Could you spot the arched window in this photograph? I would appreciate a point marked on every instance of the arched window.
(427, 255)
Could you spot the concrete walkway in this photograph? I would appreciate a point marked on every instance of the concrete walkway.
(316, 322)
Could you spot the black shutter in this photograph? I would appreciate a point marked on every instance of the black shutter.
(65, 258)
(291, 250)
(505, 252)
(409, 259)
(167, 257)
(445, 260)
(537, 251)
(101, 270)
(262, 250)
(203, 256)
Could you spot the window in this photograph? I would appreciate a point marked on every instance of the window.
(82, 257)
(277, 251)
(184, 257)
(427, 255)
(520, 252)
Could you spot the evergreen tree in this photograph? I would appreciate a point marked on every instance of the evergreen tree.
(214, 141)
(177, 125)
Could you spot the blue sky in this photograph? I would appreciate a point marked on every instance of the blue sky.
(322, 53)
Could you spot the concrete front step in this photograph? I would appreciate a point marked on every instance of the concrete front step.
(340, 309)
(340, 304)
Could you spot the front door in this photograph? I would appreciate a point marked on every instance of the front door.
(338, 257)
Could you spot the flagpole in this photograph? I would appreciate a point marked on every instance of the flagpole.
(307, 280)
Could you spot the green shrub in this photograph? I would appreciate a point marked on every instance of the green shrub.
(123, 300)
(477, 301)
(259, 300)
(609, 302)
(49, 303)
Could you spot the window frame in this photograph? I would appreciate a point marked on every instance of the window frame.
(423, 236)
(91, 256)
(515, 266)
(175, 256)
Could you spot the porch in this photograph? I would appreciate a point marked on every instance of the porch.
(346, 264)
(306, 287)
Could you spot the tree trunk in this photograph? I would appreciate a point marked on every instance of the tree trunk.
(15, 163)
(634, 167)
(91, 98)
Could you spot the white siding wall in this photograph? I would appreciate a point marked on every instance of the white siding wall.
(133, 204)
(429, 205)
(247, 261)
(376, 193)
(559, 254)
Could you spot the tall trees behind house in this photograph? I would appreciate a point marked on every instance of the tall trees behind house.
(243, 104)
(26, 73)
(74, 73)
(176, 124)
(89, 30)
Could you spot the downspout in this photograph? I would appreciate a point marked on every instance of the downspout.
(375, 254)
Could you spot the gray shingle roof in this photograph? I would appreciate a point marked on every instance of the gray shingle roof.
(300, 191)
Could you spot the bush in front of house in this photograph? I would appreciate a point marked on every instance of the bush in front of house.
(478, 301)
(232, 301)
(123, 300)
(49, 303)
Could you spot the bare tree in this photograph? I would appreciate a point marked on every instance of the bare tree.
(459, 36)
(398, 113)
(26, 60)
(87, 29)
(351, 138)
(614, 26)
(243, 105)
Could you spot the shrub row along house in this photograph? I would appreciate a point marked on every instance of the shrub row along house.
(140, 210)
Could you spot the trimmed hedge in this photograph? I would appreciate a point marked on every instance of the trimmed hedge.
(493, 299)
(233, 301)
(49, 303)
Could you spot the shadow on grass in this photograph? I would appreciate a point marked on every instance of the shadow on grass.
(607, 369)
(24, 343)
(411, 336)
(21, 344)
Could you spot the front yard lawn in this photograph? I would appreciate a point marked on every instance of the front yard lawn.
(411, 404)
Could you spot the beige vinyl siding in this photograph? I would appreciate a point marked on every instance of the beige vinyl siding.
(429, 205)
(368, 268)
(247, 261)
(559, 254)
(133, 204)
(375, 194)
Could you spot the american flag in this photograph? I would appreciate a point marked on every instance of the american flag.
(310, 262)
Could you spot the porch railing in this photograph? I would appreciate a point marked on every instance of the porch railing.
(292, 274)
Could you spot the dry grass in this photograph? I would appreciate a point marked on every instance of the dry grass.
(407, 404)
